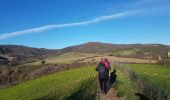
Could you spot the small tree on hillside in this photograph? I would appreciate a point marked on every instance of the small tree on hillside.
(43, 62)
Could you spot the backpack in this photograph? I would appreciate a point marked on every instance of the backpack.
(102, 71)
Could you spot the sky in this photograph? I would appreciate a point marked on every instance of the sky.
(56, 24)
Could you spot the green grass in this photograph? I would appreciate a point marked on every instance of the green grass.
(81, 84)
(127, 52)
(77, 83)
(157, 75)
(125, 86)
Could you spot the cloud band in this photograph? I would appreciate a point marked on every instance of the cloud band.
(54, 26)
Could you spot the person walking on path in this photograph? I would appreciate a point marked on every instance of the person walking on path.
(108, 66)
(103, 74)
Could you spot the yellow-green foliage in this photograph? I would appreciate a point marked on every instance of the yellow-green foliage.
(125, 87)
(79, 83)
(157, 75)
(127, 52)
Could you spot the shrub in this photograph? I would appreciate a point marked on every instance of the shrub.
(43, 62)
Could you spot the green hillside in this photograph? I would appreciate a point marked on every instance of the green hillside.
(63, 85)
(82, 84)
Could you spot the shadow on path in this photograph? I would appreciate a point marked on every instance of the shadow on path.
(78, 95)
(111, 80)
(141, 96)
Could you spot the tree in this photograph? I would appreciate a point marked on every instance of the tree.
(43, 62)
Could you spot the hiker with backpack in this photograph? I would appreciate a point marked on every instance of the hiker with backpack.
(103, 74)
(108, 66)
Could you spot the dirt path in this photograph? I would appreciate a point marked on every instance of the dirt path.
(111, 95)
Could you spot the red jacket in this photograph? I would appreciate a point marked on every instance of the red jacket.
(107, 64)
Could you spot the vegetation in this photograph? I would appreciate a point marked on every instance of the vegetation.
(82, 83)
(164, 61)
(6, 56)
(64, 59)
(127, 52)
(125, 87)
(157, 75)
(77, 83)
(43, 62)
(151, 81)
(24, 54)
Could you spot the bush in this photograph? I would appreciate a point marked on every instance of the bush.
(164, 62)
(43, 62)
(110, 55)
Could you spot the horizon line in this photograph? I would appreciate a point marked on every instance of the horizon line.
(87, 43)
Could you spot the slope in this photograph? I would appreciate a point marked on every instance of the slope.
(79, 83)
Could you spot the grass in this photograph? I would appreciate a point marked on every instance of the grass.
(63, 85)
(6, 56)
(157, 75)
(124, 86)
(81, 84)
(65, 58)
(127, 52)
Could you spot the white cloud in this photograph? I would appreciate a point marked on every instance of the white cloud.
(55, 26)
(144, 7)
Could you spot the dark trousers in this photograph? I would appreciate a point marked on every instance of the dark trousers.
(103, 82)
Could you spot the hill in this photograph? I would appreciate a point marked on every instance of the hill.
(27, 54)
(65, 58)
(67, 85)
(124, 50)
(23, 53)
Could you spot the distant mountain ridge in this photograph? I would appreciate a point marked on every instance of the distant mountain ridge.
(97, 47)
(22, 53)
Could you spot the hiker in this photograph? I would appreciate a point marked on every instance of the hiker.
(102, 75)
(107, 65)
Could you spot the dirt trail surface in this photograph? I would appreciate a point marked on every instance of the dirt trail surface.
(111, 95)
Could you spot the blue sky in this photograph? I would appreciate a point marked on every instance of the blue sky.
(60, 23)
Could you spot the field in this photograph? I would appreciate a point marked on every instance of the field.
(65, 58)
(82, 83)
(131, 60)
(125, 87)
(157, 75)
(127, 52)
(72, 57)
(7, 57)
(155, 81)
(77, 83)
(125, 60)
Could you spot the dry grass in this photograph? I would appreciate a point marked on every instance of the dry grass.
(64, 59)
(126, 60)
(72, 57)
(131, 60)
(6, 56)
